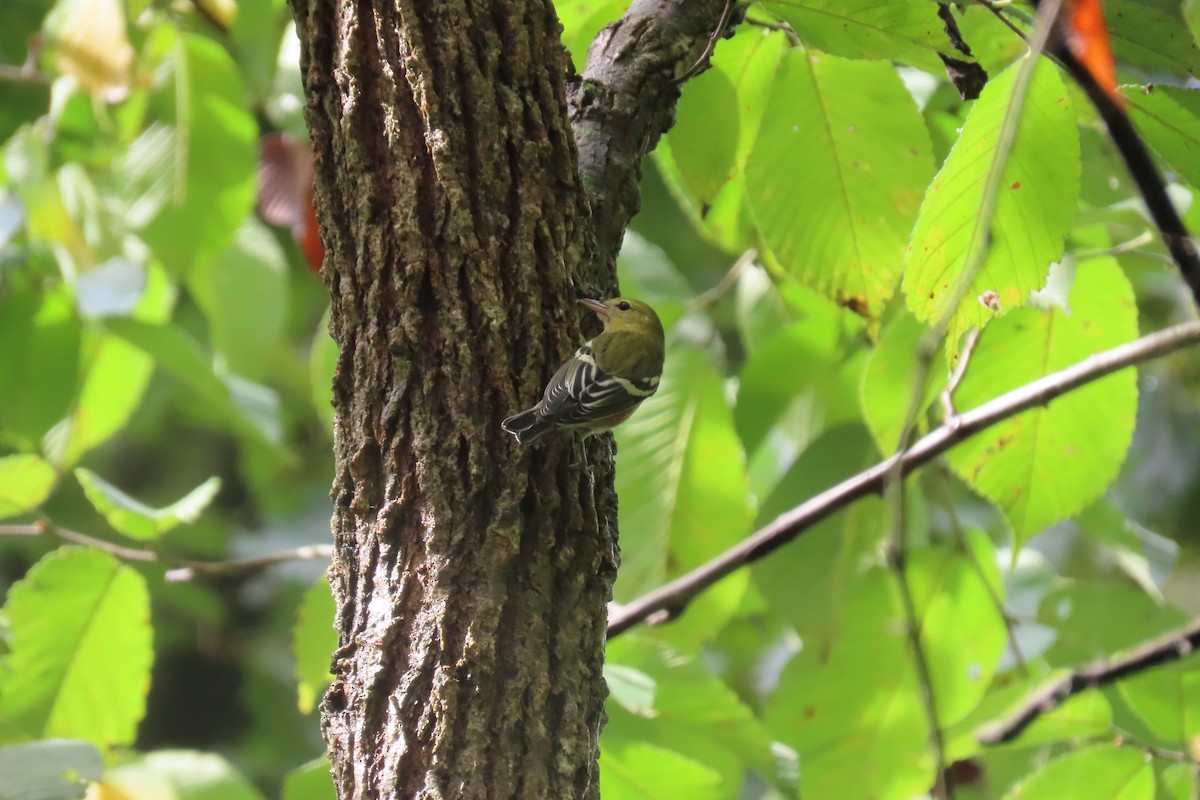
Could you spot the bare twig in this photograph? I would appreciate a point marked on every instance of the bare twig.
(1168, 647)
(23, 74)
(894, 479)
(699, 66)
(180, 569)
(224, 569)
(625, 99)
(673, 597)
(710, 296)
(1142, 169)
(960, 370)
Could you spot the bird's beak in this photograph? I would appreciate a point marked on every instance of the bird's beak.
(598, 307)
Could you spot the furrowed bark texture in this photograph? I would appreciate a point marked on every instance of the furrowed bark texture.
(471, 577)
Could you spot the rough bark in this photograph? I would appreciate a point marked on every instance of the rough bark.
(470, 577)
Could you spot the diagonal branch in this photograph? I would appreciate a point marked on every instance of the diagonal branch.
(626, 97)
(1162, 649)
(671, 599)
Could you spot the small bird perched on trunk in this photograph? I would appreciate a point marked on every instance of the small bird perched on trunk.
(606, 380)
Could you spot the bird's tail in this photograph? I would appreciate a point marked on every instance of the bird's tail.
(527, 426)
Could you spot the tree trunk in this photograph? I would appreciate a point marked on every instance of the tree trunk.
(471, 576)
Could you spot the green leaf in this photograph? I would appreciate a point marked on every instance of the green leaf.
(38, 360)
(1169, 119)
(1103, 772)
(310, 781)
(1033, 208)
(79, 663)
(709, 183)
(115, 379)
(138, 520)
(797, 364)
(51, 769)
(959, 602)
(904, 31)
(25, 483)
(582, 20)
(1047, 464)
(1082, 717)
(706, 130)
(321, 365)
(182, 775)
(244, 295)
(889, 381)
(849, 133)
(1179, 781)
(1095, 619)
(252, 408)
(313, 641)
(806, 582)
(681, 477)
(682, 699)
(641, 771)
(1151, 35)
(852, 711)
(1167, 701)
(194, 171)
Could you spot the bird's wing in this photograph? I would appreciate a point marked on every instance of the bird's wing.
(580, 392)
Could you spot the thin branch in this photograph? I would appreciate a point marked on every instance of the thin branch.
(24, 74)
(625, 99)
(913, 624)
(673, 597)
(960, 371)
(180, 569)
(1142, 169)
(960, 541)
(1163, 649)
(894, 478)
(189, 570)
(727, 282)
(702, 61)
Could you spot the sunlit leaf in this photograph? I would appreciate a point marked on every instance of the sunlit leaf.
(38, 361)
(1169, 118)
(905, 31)
(1152, 35)
(855, 743)
(1102, 772)
(1034, 205)
(684, 498)
(681, 698)
(888, 382)
(115, 377)
(79, 664)
(310, 781)
(138, 520)
(1050, 462)
(199, 172)
(244, 294)
(313, 641)
(25, 482)
(849, 133)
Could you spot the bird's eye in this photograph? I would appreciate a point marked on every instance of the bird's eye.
(624, 305)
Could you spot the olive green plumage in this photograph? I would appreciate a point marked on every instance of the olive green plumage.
(605, 380)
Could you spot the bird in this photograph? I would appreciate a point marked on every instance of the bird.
(606, 379)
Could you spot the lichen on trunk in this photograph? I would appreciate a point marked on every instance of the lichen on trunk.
(470, 576)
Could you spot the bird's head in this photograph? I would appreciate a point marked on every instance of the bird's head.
(626, 314)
